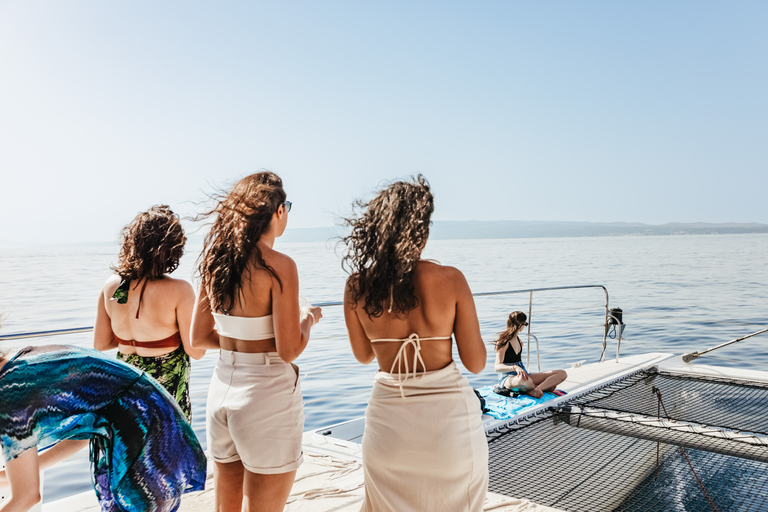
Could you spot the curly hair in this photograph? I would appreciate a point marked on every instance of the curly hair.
(151, 245)
(384, 246)
(241, 217)
(515, 320)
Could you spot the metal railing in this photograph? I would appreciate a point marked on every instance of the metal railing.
(529, 291)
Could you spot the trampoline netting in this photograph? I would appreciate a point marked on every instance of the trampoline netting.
(617, 449)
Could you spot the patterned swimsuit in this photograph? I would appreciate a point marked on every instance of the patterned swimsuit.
(144, 454)
(171, 370)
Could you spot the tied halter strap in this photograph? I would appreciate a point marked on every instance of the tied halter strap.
(401, 361)
(141, 296)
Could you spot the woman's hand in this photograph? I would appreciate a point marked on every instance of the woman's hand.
(314, 312)
(522, 373)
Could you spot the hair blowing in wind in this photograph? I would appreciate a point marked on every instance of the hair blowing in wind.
(384, 246)
(241, 217)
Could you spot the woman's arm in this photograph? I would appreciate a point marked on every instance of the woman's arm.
(103, 337)
(499, 365)
(184, 308)
(361, 345)
(291, 331)
(466, 327)
(502, 367)
(202, 332)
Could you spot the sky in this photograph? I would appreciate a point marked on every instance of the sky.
(598, 111)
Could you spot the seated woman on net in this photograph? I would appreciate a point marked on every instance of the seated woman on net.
(509, 364)
(144, 313)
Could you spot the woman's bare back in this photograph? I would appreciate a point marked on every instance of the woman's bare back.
(441, 292)
(150, 313)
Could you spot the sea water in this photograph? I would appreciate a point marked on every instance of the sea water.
(678, 294)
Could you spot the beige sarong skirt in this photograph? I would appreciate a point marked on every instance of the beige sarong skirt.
(427, 451)
(254, 412)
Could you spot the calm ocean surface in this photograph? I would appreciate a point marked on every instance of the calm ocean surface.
(678, 293)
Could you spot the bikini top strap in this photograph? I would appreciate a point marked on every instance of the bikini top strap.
(401, 361)
(141, 296)
(411, 337)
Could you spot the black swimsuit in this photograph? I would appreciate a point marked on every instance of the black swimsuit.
(512, 357)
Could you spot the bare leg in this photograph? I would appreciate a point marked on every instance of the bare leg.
(61, 451)
(267, 493)
(228, 486)
(23, 473)
(546, 381)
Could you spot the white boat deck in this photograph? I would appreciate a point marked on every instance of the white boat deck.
(331, 477)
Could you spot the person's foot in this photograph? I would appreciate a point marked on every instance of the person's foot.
(536, 393)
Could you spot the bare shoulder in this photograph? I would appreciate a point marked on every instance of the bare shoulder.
(442, 275)
(175, 284)
(110, 285)
(282, 263)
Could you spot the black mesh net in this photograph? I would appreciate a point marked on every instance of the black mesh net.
(588, 456)
(711, 401)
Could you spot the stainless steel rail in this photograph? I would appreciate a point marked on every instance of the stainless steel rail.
(529, 291)
(40, 334)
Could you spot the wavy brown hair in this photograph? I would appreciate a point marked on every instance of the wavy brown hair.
(241, 217)
(515, 320)
(385, 244)
(151, 245)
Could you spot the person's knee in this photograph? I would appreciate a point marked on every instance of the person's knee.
(561, 375)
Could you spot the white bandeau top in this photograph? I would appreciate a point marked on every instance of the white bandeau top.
(245, 327)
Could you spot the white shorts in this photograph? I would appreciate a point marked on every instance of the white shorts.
(254, 412)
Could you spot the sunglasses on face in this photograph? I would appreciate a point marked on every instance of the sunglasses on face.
(287, 205)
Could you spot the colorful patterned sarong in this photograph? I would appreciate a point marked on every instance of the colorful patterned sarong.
(144, 454)
(171, 370)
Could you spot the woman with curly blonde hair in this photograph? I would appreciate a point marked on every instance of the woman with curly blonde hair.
(424, 446)
(248, 307)
(144, 313)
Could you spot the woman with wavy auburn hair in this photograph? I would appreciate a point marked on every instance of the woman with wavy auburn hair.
(424, 446)
(143, 312)
(248, 307)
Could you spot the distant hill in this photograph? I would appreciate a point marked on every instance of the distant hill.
(467, 230)
(544, 229)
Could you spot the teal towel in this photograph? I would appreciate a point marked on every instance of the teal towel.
(503, 408)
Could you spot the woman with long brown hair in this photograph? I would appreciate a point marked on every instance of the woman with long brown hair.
(145, 313)
(424, 446)
(248, 306)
